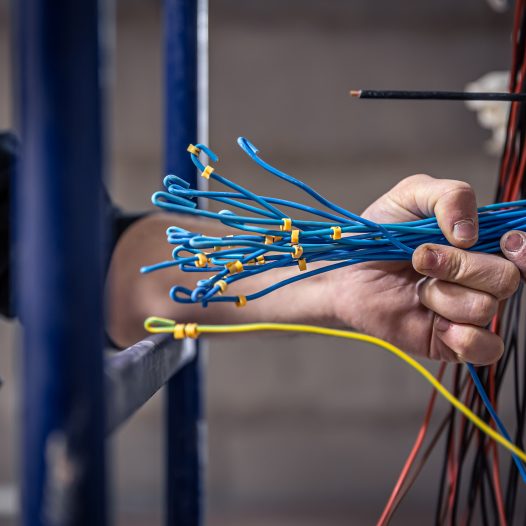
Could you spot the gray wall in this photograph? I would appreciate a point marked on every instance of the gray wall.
(302, 430)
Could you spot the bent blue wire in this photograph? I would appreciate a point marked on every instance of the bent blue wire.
(360, 239)
(494, 416)
(337, 237)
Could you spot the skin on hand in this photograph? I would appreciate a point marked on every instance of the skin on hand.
(438, 305)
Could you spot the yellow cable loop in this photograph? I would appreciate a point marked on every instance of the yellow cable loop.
(193, 149)
(162, 325)
(302, 264)
(260, 260)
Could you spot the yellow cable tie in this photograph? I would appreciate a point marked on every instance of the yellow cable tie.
(217, 249)
(207, 171)
(298, 252)
(287, 224)
(260, 260)
(193, 149)
(179, 331)
(202, 260)
(302, 264)
(222, 284)
(190, 330)
(234, 267)
(241, 301)
(336, 232)
(295, 237)
(269, 240)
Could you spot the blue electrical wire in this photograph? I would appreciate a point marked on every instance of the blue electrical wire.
(274, 240)
(333, 235)
(493, 413)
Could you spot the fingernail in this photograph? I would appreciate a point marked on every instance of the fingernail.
(513, 242)
(465, 230)
(442, 324)
(429, 259)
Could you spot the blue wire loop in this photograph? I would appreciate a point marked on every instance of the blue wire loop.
(332, 235)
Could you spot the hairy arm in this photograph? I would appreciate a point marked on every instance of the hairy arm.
(133, 296)
(437, 306)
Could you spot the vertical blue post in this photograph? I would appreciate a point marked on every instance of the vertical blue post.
(183, 404)
(60, 262)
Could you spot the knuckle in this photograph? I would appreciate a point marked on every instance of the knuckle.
(509, 280)
(454, 265)
(457, 188)
(482, 308)
(466, 341)
(412, 180)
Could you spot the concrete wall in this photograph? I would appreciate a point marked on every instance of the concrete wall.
(305, 429)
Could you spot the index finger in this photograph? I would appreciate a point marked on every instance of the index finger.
(485, 272)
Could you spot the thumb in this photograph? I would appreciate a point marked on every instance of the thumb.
(513, 246)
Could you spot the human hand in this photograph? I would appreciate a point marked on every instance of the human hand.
(438, 305)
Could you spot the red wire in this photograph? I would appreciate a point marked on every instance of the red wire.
(412, 455)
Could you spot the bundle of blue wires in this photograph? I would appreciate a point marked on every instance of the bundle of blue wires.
(271, 239)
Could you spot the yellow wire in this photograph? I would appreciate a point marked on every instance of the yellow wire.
(162, 325)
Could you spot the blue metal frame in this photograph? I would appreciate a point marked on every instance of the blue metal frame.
(60, 262)
(68, 402)
(183, 397)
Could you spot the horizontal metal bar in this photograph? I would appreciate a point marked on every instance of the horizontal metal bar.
(134, 375)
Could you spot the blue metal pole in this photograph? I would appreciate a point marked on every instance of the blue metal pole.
(60, 265)
(183, 404)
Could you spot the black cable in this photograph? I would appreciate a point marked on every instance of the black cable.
(437, 95)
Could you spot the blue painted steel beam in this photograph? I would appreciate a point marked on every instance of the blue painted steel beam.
(134, 375)
(183, 396)
(60, 262)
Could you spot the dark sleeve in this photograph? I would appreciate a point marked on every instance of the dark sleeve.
(8, 157)
(117, 221)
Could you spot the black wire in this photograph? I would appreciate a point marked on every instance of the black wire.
(437, 95)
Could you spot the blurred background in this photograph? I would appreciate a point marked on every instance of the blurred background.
(305, 430)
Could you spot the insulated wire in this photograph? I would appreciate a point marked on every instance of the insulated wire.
(157, 325)
(493, 413)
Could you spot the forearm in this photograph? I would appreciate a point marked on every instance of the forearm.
(133, 296)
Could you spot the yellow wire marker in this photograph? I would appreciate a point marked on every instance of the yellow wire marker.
(287, 224)
(295, 237)
(193, 149)
(234, 267)
(298, 251)
(202, 260)
(207, 171)
(222, 284)
(157, 325)
(241, 301)
(336, 232)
